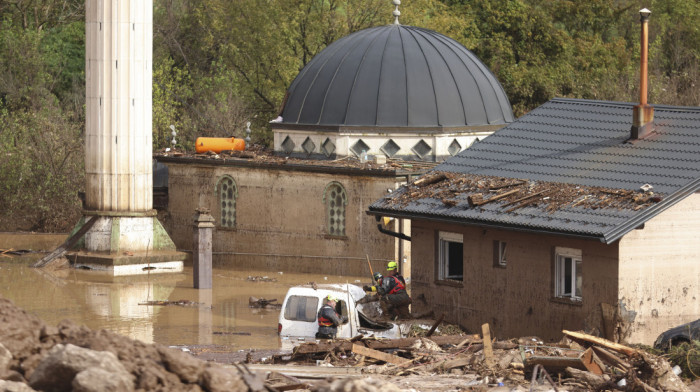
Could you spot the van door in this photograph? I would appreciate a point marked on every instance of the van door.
(345, 330)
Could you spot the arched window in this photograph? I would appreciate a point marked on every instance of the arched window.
(335, 198)
(227, 192)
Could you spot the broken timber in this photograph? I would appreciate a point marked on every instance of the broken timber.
(601, 342)
(72, 240)
(477, 199)
(376, 354)
(346, 345)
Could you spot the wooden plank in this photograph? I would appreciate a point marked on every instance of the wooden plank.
(435, 325)
(455, 363)
(72, 240)
(430, 179)
(368, 352)
(610, 358)
(383, 344)
(601, 342)
(523, 198)
(608, 314)
(475, 201)
(554, 364)
(305, 372)
(590, 361)
(469, 339)
(488, 348)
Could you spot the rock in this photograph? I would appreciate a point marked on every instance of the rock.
(184, 365)
(5, 359)
(216, 379)
(11, 386)
(19, 331)
(96, 379)
(14, 376)
(63, 363)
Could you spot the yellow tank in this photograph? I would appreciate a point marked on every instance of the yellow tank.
(218, 144)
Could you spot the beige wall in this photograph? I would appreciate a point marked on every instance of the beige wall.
(660, 271)
(281, 219)
(517, 300)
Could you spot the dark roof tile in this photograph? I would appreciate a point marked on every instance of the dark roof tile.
(575, 142)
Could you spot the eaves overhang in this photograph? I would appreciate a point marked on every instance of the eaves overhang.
(482, 223)
(607, 237)
(644, 216)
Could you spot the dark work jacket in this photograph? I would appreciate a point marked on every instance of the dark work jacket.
(328, 320)
(393, 284)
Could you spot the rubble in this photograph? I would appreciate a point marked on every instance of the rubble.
(260, 154)
(35, 356)
(580, 362)
(254, 302)
(473, 191)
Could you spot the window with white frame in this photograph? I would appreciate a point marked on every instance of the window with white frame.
(450, 256)
(499, 254)
(568, 277)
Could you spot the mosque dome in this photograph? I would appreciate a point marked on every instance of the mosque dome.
(396, 76)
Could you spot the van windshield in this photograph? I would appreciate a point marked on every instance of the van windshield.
(301, 308)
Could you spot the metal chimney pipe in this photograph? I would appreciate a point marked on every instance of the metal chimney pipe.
(644, 13)
(643, 114)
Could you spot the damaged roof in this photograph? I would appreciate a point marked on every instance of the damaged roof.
(570, 168)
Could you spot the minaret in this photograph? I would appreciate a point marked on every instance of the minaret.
(118, 139)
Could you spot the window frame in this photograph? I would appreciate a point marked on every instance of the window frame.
(234, 199)
(500, 249)
(328, 207)
(445, 238)
(573, 257)
(293, 304)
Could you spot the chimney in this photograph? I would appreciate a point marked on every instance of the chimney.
(643, 114)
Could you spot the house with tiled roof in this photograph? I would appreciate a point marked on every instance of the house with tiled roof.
(579, 215)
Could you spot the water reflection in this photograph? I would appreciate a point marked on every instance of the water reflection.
(219, 316)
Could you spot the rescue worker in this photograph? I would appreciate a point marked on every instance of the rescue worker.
(392, 291)
(393, 268)
(329, 319)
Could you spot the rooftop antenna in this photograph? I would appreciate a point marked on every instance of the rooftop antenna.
(396, 12)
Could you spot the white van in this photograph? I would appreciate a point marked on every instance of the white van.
(301, 304)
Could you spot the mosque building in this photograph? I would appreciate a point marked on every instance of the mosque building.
(372, 111)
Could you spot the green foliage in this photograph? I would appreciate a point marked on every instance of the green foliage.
(220, 63)
(687, 357)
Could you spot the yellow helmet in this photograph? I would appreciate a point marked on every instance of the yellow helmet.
(392, 266)
(330, 297)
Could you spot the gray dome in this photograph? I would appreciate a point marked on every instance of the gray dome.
(396, 76)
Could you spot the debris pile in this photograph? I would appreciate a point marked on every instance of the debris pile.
(581, 362)
(263, 155)
(35, 356)
(254, 302)
(471, 191)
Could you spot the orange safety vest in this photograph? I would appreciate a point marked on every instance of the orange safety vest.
(325, 322)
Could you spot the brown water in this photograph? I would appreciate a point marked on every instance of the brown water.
(99, 301)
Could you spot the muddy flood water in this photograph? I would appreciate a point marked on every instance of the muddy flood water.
(221, 316)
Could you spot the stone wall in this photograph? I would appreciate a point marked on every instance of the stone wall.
(280, 219)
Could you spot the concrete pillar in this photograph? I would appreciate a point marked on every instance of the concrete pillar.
(201, 254)
(118, 142)
(118, 132)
